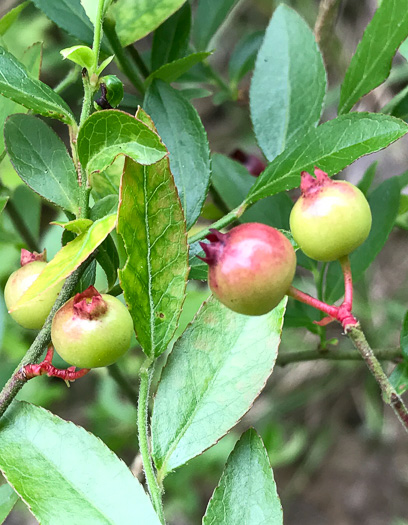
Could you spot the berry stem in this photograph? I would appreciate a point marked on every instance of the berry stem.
(18, 379)
(232, 216)
(348, 282)
(389, 394)
(146, 373)
(331, 311)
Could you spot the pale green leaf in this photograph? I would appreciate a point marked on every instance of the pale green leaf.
(9, 18)
(181, 129)
(8, 498)
(371, 63)
(208, 18)
(81, 55)
(331, 146)
(152, 225)
(289, 83)
(16, 84)
(215, 372)
(69, 258)
(107, 134)
(173, 70)
(247, 491)
(41, 160)
(137, 18)
(72, 476)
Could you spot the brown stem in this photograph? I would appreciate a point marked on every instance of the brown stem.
(389, 394)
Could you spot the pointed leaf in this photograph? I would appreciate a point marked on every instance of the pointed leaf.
(208, 18)
(81, 55)
(18, 85)
(107, 134)
(247, 491)
(232, 182)
(70, 16)
(371, 63)
(41, 160)
(105, 206)
(69, 258)
(243, 58)
(69, 472)
(331, 146)
(288, 84)
(31, 59)
(383, 202)
(152, 226)
(173, 70)
(3, 202)
(9, 18)
(136, 19)
(215, 372)
(170, 40)
(180, 127)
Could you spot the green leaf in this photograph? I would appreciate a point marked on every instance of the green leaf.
(31, 59)
(70, 16)
(170, 40)
(69, 258)
(16, 84)
(107, 134)
(198, 268)
(368, 178)
(77, 226)
(8, 498)
(398, 106)
(9, 18)
(288, 84)
(81, 55)
(371, 63)
(105, 206)
(71, 472)
(383, 202)
(181, 129)
(232, 182)
(3, 202)
(399, 377)
(173, 70)
(151, 223)
(213, 375)
(208, 18)
(331, 146)
(244, 55)
(137, 18)
(404, 337)
(41, 160)
(108, 258)
(247, 491)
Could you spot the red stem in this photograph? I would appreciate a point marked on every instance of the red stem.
(348, 281)
(331, 311)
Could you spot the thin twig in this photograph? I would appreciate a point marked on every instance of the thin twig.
(232, 216)
(389, 394)
(286, 358)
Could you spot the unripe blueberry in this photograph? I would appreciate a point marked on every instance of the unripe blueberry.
(250, 268)
(92, 329)
(33, 314)
(330, 219)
